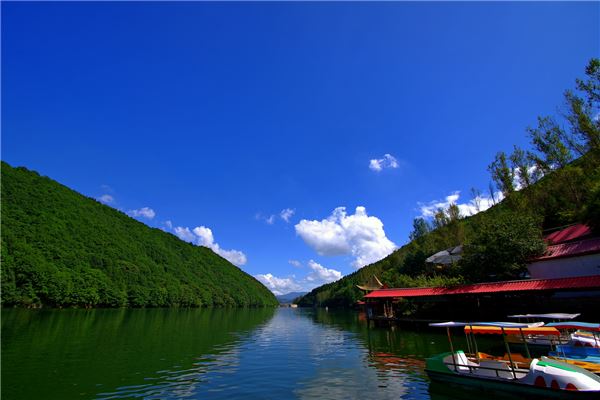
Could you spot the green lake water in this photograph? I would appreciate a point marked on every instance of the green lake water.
(213, 354)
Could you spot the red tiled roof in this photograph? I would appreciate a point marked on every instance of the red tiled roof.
(570, 233)
(580, 248)
(583, 282)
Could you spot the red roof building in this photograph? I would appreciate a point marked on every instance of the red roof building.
(578, 283)
(572, 251)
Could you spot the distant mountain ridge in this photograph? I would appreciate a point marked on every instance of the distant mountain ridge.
(289, 297)
(60, 248)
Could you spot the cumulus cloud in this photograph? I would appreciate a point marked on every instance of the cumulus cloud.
(184, 234)
(322, 275)
(286, 214)
(169, 224)
(203, 236)
(106, 199)
(471, 207)
(144, 212)
(277, 285)
(295, 263)
(360, 235)
(318, 276)
(388, 161)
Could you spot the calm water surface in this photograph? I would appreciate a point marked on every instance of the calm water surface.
(212, 354)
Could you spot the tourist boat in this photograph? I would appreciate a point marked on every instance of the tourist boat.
(539, 341)
(583, 346)
(586, 335)
(542, 377)
(583, 357)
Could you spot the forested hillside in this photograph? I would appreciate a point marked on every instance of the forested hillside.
(554, 183)
(60, 248)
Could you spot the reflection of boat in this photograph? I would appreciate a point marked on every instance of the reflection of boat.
(539, 377)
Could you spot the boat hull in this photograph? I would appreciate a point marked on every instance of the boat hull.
(439, 371)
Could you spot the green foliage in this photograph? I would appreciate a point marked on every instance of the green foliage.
(60, 249)
(549, 141)
(502, 174)
(420, 229)
(591, 211)
(500, 247)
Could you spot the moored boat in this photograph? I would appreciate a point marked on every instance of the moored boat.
(542, 377)
(583, 348)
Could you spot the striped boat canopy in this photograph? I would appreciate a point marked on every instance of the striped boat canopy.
(498, 330)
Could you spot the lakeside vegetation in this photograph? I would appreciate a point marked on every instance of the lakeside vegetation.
(61, 249)
(554, 183)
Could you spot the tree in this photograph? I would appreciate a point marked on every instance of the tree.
(502, 174)
(500, 246)
(520, 164)
(550, 142)
(420, 229)
(583, 109)
(440, 218)
(453, 213)
(591, 210)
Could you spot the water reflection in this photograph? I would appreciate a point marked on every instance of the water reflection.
(79, 353)
(216, 354)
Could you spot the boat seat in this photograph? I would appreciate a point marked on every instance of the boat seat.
(498, 368)
(462, 362)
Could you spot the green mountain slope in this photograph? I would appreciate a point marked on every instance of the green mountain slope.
(497, 242)
(60, 248)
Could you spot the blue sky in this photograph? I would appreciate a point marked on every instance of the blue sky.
(297, 139)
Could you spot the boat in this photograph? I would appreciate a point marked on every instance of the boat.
(543, 343)
(583, 346)
(588, 362)
(541, 377)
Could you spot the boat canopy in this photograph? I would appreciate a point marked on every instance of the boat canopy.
(449, 324)
(585, 326)
(547, 316)
(498, 330)
(505, 324)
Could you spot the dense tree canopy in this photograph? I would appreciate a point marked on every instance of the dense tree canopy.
(60, 248)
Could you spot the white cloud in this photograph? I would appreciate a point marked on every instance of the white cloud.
(169, 224)
(531, 171)
(268, 220)
(295, 263)
(203, 236)
(106, 199)
(360, 235)
(472, 207)
(184, 234)
(286, 214)
(318, 276)
(144, 212)
(388, 161)
(322, 275)
(279, 285)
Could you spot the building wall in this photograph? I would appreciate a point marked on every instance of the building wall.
(565, 267)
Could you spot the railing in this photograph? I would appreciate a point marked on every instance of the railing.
(474, 368)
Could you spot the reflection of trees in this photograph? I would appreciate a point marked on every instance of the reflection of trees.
(76, 353)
